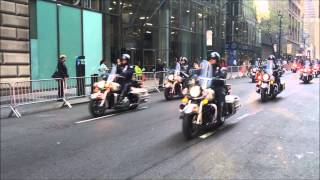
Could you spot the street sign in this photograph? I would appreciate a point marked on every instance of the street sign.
(209, 37)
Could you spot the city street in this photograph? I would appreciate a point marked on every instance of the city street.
(273, 140)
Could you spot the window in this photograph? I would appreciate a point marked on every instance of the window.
(92, 4)
(71, 2)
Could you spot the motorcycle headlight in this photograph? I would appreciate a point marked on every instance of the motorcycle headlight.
(266, 77)
(195, 91)
(171, 77)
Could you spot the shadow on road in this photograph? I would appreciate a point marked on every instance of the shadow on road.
(277, 99)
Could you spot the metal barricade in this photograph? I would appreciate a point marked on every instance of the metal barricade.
(150, 81)
(38, 91)
(160, 77)
(79, 86)
(7, 99)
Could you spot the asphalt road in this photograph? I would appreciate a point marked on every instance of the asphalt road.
(272, 140)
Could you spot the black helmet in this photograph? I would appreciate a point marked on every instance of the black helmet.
(272, 57)
(214, 55)
(125, 57)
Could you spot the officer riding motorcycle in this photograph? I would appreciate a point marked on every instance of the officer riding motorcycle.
(255, 71)
(270, 85)
(316, 69)
(306, 73)
(208, 102)
(119, 91)
(177, 80)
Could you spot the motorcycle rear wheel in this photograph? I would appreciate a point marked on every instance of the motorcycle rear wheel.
(167, 94)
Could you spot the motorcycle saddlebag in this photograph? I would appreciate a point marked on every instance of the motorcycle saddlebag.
(231, 99)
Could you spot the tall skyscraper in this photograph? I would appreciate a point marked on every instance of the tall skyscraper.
(312, 26)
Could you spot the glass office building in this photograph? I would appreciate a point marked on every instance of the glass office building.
(146, 29)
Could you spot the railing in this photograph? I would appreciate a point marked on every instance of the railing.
(48, 90)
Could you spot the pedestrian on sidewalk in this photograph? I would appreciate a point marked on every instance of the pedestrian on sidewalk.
(61, 73)
(160, 68)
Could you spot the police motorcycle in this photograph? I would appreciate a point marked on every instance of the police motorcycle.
(267, 86)
(306, 73)
(106, 92)
(175, 82)
(199, 111)
(316, 70)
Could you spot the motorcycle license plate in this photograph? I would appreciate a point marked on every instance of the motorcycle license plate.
(264, 85)
(304, 74)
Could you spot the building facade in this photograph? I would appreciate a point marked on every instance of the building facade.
(97, 29)
(243, 36)
(292, 13)
(14, 41)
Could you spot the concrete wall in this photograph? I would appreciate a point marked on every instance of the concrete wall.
(14, 41)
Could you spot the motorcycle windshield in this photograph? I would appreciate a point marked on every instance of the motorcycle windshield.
(112, 74)
(269, 67)
(177, 69)
(205, 78)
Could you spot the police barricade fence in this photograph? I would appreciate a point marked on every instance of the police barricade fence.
(148, 80)
(6, 100)
(77, 87)
(36, 91)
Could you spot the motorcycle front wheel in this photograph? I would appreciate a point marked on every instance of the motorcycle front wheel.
(264, 96)
(189, 129)
(95, 109)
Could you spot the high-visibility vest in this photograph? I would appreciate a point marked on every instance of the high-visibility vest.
(138, 70)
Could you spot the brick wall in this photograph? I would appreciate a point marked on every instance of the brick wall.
(14, 41)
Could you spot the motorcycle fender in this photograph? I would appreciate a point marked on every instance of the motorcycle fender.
(190, 108)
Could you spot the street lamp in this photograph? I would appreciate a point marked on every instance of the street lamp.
(280, 23)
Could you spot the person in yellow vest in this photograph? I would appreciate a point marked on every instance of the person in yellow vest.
(138, 71)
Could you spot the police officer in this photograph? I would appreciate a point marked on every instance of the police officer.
(218, 85)
(275, 68)
(126, 73)
(184, 64)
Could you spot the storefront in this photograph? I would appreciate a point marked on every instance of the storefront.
(146, 29)
(65, 27)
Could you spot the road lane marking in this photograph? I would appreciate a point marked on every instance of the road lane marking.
(94, 119)
(107, 116)
(243, 116)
